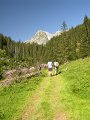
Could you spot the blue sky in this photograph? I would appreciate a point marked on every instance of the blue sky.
(21, 19)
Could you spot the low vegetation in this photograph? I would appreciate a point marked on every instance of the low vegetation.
(14, 98)
(65, 96)
(75, 95)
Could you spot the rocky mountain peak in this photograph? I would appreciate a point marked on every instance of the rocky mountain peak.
(42, 37)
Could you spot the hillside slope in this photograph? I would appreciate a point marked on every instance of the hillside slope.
(76, 99)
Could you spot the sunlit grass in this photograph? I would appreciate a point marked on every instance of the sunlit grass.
(14, 98)
(66, 93)
(75, 95)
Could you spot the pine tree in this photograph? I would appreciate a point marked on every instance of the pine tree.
(63, 26)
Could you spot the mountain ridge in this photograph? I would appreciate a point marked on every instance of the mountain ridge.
(42, 37)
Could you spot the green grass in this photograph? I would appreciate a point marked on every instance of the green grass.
(15, 98)
(47, 106)
(75, 95)
(66, 95)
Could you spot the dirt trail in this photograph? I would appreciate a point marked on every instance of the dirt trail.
(44, 104)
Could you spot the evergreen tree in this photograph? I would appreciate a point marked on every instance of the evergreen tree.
(85, 43)
(64, 26)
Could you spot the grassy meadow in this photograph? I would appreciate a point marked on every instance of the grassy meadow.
(65, 96)
(75, 95)
(14, 98)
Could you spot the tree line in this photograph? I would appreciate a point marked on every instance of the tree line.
(70, 45)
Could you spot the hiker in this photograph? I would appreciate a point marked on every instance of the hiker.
(56, 65)
(50, 68)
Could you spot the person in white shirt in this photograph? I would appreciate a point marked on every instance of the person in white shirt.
(50, 68)
(56, 65)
